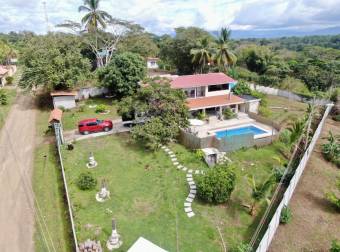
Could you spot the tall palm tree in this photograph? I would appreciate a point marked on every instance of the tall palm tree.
(259, 191)
(94, 18)
(224, 57)
(202, 54)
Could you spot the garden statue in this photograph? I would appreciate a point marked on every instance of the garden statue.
(103, 194)
(114, 241)
(92, 162)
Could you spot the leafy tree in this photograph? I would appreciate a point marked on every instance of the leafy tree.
(164, 111)
(201, 55)
(296, 129)
(257, 58)
(259, 191)
(177, 50)
(123, 73)
(217, 184)
(224, 57)
(54, 62)
(6, 52)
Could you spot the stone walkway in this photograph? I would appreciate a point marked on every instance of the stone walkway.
(192, 192)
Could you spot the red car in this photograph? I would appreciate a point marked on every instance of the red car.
(94, 125)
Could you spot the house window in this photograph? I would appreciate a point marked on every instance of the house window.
(214, 88)
(190, 93)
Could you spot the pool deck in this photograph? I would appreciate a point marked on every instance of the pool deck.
(242, 119)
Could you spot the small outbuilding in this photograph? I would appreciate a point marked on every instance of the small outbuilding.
(252, 103)
(152, 63)
(143, 245)
(64, 99)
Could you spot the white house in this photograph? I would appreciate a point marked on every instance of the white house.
(64, 99)
(152, 63)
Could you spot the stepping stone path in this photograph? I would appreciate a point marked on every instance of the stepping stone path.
(192, 193)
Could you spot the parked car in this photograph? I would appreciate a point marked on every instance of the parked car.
(94, 125)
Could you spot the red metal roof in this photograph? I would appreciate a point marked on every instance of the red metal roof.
(198, 80)
(55, 115)
(213, 101)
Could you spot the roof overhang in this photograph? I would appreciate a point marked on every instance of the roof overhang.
(214, 101)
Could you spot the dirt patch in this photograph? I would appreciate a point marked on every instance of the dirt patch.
(315, 222)
(143, 207)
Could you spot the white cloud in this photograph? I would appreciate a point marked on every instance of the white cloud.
(161, 16)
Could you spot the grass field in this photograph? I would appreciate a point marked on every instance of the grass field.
(48, 189)
(147, 196)
(285, 110)
(4, 109)
(71, 117)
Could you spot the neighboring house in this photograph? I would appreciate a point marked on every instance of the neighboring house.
(64, 99)
(151, 63)
(211, 93)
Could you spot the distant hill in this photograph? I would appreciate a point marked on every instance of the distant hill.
(238, 34)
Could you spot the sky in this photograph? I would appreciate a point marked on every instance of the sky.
(162, 16)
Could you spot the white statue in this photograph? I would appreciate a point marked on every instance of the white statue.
(103, 194)
(92, 162)
(114, 241)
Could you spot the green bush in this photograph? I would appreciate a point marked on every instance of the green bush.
(242, 88)
(264, 111)
(217, 184)
(331, 150)
(86, 181)
(286, 215)
(199, 154)
(101, 108)
(243, 247)
(335, 246)
(201, 115)
(285, 136)
(3, 97)
(336, 118)
(9, 80)
(228, 113)
(334, 96)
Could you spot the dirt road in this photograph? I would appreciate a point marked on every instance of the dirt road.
(17, 141)
(315, 221)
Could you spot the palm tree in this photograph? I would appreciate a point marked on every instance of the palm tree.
(224, 57)
(296, 130)
(202, 54)
(259, 191)
(94, 18)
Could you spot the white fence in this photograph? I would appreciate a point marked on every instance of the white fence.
(275, 221)
(285, 94)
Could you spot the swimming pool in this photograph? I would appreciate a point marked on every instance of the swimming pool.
(240, 131)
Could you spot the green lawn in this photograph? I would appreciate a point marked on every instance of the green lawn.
(48, 189)
(281, 116)
(4, 109)
(71, 117)
(148, 193)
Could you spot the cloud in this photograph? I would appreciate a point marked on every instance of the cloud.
(162, 16)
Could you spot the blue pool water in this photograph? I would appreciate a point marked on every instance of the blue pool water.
(239, 131)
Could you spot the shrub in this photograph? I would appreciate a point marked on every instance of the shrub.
(331, 150)
(243, 247)
(199, 154)
(286, 215)
(217, 184)
(242, 88)
(334, 96)
(285, 136)
(264, 111)
(101, 108)
(3, 97)
(201, 115)
(86, 181)
(9, 80)
(228, 113)
(336, 118)
(335, 246)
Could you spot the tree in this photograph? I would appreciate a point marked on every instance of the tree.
(5, 52)
(224, 57)
(122, 74)
(257, 58)
(54, 62)
(296, 129)
(177, 50)
(217, 184)
(259, 191)
(162, 108)
(94, 18)
(201, 55)
(242, 88)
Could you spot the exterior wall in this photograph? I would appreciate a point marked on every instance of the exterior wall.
(253, 107)
(151, 64)
(86, 93)
(214, 93)
(67, 102)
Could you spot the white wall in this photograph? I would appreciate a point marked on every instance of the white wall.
(253, 106)
(86, 93)
(214, 93)
(67, 102)
(152, 64)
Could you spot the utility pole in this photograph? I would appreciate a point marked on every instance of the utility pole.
(46, 18)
